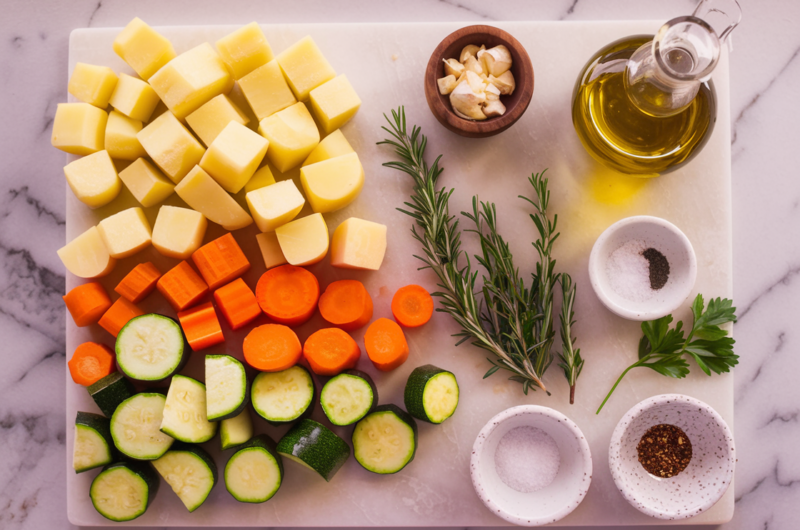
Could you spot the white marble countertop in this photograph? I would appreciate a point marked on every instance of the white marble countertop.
(766, 202)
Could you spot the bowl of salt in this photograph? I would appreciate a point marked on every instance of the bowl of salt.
(531, 465)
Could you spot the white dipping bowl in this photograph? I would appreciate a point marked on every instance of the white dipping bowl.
(698, 487)
(554, 501)
(664, 237)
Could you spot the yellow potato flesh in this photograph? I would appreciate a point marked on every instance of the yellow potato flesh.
(270, 249)
(134, 98)
(86, 256)
(92, 84)
(121, 142)
(178, 232)
(171, 146)
(292, 135)
(275, 205)
(358, 244)
(334, 103)
(143, 48)
(333, 145)
(79, 128)
(304, 67)
(234, 156)
(125, 233)
(304, 241)
(146, 183)
(262, 178)
(93, 179)
(332, 184)
(209, 120)
(266, 90)
(202, 193)
(244, 50)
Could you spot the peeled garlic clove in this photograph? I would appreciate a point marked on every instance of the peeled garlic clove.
(494, 108)
(492, 93)
(447, 84)
(472, 64)
(453, 67)
(505, 82)
(468, 50)
(466, 103)
(496, 60)
(475, 82)
(480, 56)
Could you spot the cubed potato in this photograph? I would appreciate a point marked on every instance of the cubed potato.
(134, 98)
(171, 146)
(202, 193)
(266, 90)
(275, 205)
(143, 48)
(333, 145)
(79, 128)
(234, 156)
(209, 120)
(146, 183)
(334, 103)
(121, 142)
(178, 232)
(304, 241)
(292, 135)
(92, 84)
(332, 184)
(270, 249)
(125, 233)
(262, 178)
(93, 179)
(86, 256)
(191, 79)
(244, 50)
(305, 67)
(358, 244)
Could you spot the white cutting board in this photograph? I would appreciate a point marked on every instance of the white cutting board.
(385, 63)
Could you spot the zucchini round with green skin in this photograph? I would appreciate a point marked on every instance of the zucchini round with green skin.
(348, 397)
(255, 471)
(151, 348)
(93, 445)
(190, 472)
(124, 490)
(431, 394)
(135, 427)
(316, 447)
(283, 397)
(226, 387)
(386, 440)
(184, 415)
(110, 391)
(236, 431)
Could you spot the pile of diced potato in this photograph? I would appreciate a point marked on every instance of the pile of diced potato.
(182, 131)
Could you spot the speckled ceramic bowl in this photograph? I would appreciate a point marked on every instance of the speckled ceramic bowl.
(700, 485)
(551, 503)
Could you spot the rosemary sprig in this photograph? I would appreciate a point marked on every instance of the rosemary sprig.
(571, 360)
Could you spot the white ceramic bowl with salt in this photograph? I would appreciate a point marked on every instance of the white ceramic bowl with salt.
(555, 500)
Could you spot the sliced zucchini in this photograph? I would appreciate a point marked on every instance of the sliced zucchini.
(190, 472)
(316, 447)
(348, 397)
(110, 391)
(151, 348)
(236, 431)
(124, 490)
(281, 397)
(185, 411)
(431, 394)
(385, 441)
(255, 471)
(226, 387)
(135, 427)
(93, 446)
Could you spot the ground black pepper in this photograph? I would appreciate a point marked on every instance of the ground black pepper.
(659, 268)
(664, 450)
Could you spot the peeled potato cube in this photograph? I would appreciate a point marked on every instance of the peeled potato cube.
(266, 90)
(304, 241)
(202, 193)
(270, 249)
(143, 48)
(333, 145)
(244, 50)
(92, 84)
(86, 256)
(334, 103)
(146, 183)
(275, 205)
(234, 156)
(209, 120)
(178, 232)
(93, 179)
(332, 184)
(79, 128)
(358, 244)
(134, 98)
(171, 146)
(125, 233)
(262, 178)
(305, 67)
(292, 135)
(121, 142)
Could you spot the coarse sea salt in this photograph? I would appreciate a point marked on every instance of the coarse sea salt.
(527, 459)
(629, 271)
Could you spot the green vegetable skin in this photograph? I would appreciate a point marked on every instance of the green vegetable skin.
(315, 446)
(415, 397)
(96, 431)
(363, 456)
(139, 476)
(110, 391)
(185, 465)
(264, 445)
(235, 431)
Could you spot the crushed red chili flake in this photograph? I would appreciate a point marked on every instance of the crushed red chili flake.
(664, 450)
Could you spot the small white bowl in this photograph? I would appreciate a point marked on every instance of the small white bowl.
(698, 487)
(551, 503)
(664, 237)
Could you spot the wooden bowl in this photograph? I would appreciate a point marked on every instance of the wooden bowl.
(516, 103)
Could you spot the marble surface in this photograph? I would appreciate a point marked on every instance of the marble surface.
(765, 72)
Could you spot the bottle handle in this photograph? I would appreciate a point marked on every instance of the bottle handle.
(722, 15)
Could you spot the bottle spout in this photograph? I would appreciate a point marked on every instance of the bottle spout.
(722, 15)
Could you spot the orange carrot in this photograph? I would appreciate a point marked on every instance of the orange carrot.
(139, 283)
(271, 348)
(386, 345)
(220, 261)
(201, 326)
(87, 303)
(331, 351)
(181, 286)
(237, 303)
(288, 294)
(346, 304)
(412, 306)
(90, 363)
(118, 315)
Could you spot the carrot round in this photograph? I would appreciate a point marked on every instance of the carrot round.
(412, 306)
(288, 294)
(331, 351)
(87, 303)
(346, 304)
(90, 363)
(386, 344)
(271, 348)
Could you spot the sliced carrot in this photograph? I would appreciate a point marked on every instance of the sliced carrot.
(412, 306)
(346, 304)
(87, 303)
(181, 286)
(386, 344)
(237, 303)
(271, 348)
(90, 363)
(201, 326)
(118, 315)
(288, 294)
(220, 261)
(331, 351)
(139, 283)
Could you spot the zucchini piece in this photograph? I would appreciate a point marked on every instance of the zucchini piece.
(348, 397)
(185, 411)
(386, 440)
(110, 391)
(236, 431)
(255, 471)
(431, 394)
(93, 446)
(316, 447)
(190, 472)
(124, 490)
(135, 427)
(226, 387)
(282, 397)
(151, 348)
